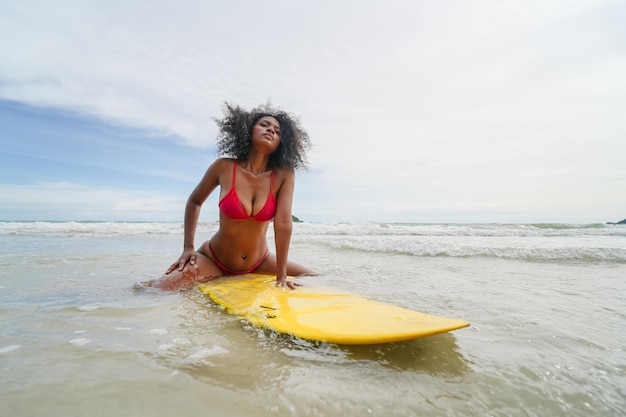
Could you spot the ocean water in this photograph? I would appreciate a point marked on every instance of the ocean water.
(546, 303)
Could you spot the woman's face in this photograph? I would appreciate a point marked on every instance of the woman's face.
(266, 134)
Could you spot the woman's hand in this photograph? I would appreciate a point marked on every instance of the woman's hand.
(188, 255)
(282, 282)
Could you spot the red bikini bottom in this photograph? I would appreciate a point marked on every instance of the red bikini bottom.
(227, 271)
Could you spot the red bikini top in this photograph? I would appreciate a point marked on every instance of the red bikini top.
(231, 205)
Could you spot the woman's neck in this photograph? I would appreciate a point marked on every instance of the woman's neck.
(255, 164)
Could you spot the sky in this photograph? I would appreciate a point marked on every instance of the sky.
(419, 111)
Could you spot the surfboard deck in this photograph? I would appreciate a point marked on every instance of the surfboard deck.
(322, 314)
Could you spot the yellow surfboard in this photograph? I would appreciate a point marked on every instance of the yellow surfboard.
(322, 314)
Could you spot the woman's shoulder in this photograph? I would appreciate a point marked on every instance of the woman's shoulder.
(223, 162)
(284, 172)
(220, 167)
(285, 175)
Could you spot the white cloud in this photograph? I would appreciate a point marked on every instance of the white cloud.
(72, 201)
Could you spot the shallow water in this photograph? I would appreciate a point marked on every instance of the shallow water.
(546, 305)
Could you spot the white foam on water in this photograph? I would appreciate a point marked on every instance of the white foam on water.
(206, 352)
(166, 346)
(8, 349)
(89, 307)
(81, 341)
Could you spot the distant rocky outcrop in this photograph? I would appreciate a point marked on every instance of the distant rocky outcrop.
(621, 222)
(295, 219)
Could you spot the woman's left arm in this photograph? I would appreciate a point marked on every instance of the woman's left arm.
(283, 226)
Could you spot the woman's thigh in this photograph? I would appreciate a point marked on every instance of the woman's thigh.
(269, 266)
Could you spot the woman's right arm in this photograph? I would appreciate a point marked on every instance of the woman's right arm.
(205, 187)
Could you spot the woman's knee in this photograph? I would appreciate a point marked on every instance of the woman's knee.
(203, 269)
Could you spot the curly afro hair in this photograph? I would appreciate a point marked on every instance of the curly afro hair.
(234, 137)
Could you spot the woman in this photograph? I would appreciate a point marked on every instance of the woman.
(256, 186)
